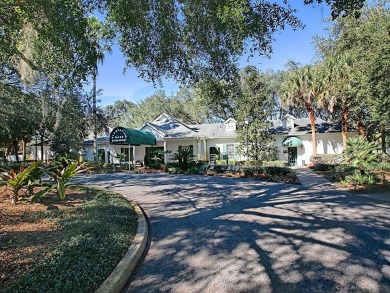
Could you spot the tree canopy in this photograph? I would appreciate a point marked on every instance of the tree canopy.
(46, 45)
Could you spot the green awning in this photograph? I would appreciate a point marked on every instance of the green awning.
(292, 141)
(126, 136)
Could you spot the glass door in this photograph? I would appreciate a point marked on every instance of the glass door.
(292, 156)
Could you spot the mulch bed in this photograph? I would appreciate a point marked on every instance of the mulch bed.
(26, 238)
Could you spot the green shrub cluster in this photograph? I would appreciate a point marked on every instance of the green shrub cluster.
(193, 170)
(253, 163)
(154, 166)
(324, 167)
(175, 170)
(357, 179)
(97, 234)
(275, 164)
(385, 166)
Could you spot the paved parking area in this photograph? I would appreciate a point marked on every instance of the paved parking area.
(214, 234)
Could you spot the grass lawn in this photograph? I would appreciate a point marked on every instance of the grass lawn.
(63, 246)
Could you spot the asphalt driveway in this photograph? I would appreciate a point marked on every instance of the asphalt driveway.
(213, 234)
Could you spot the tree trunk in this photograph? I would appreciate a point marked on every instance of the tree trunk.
(60, 103)
(42, 138)
(24, 143)
(344, 124)
(95, 147)
(312, 117)
(15, 145)
(360, 124)
(383, 138)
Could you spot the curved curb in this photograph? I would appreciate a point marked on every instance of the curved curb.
(122, 272)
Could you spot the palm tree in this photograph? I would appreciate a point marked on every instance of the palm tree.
(99, 35)
(338, 78)
(301, 90)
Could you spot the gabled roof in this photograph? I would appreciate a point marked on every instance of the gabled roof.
(230, 119)
(214, 130)
(170, 127)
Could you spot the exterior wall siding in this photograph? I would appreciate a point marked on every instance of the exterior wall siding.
(327, 143)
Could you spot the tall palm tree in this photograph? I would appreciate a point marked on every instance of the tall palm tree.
(338, 76)
(301, 90)
(100, 36)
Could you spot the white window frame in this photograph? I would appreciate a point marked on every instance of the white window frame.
(229, 153)
(230, 126)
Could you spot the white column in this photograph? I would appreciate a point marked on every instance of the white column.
(134, 155)
(205, 149)
(165, 152)
(199, 145)
(129, 157)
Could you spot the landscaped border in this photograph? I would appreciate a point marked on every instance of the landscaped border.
(117, 280)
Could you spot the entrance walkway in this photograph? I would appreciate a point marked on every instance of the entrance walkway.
(310, 179)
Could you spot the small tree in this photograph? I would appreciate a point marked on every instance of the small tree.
(183, 155)
(361, 154)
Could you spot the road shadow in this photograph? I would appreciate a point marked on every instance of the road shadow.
(232, 235)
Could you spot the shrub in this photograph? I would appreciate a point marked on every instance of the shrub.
(362, 179)
(277, 171)
(173, 164)
(385, 166)
(275, 163)
(253, 163)
(324, 167)
(198, 163)
(154, 166)
(174, 170)
(183, 156)
(192, 170)
(248, 172)
(24, 178)
(344, 168)
(361, 154)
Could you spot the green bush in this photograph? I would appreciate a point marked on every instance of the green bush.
(154, 166)
(96, 236)
(173, 164)
(362, 179)
(248, 172)
(324, 167)
(192, 170)
(385, 166)
(277, 171)
(344, 168)
(361, 153)
(253, 163)
(198, 163)
(275, 163)
(175, 170)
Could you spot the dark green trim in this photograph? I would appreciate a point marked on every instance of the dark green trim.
(129, 136)
(292, 141)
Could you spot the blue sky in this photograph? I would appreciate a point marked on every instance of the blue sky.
(288, 45)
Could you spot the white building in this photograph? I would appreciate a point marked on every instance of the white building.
(292, 139)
